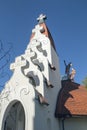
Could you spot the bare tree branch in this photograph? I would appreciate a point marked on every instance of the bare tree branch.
(5, 57)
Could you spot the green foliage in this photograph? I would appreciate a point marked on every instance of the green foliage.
(85, 81)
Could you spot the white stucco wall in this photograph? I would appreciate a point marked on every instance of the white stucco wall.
(34, 63)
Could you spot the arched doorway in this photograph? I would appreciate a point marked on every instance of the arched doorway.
(15, 119)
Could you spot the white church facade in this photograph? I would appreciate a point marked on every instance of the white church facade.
(35, 98)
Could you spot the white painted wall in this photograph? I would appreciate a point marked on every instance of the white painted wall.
(19, 87)
(75, 123)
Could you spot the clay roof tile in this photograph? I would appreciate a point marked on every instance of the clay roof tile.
(72, 100)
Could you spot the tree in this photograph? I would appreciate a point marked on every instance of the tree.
(5, 56)
(85, 81)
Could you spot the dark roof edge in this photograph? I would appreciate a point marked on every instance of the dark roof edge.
(59, 116)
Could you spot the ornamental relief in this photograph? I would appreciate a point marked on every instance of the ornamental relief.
(24, 91)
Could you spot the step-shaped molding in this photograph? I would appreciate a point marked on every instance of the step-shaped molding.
(52, 66)
(39, 63)
(48, 83)
(37, 28)
(42, 100)
(34, 43)
(30, 58)
(42, 64)
(34, 77)
(41, 44)
(19, 62)
(30, 54)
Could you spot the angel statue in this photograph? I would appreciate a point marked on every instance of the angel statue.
(67, 68)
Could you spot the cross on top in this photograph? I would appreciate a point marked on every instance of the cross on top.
(41, 18)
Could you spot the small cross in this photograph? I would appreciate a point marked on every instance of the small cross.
(41, 18)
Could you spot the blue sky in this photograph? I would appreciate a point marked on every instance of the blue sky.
(66, 20)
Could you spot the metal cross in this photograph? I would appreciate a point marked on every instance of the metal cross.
(41, 18)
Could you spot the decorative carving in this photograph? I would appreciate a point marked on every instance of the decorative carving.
(40, 65)
(19, 62)
(47, 82)
(37, 28)
(52, 67)
(33, 77)
(5, 93)
(31, 53)
(24, 91)
(42, 100)
(34, 43)
(40, 49)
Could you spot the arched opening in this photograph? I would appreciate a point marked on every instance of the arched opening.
(14, 118)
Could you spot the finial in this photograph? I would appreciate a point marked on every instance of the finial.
(41, 18)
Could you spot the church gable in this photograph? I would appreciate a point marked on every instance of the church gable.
(32, 87)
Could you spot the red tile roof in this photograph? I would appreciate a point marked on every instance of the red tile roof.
(72, 100)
